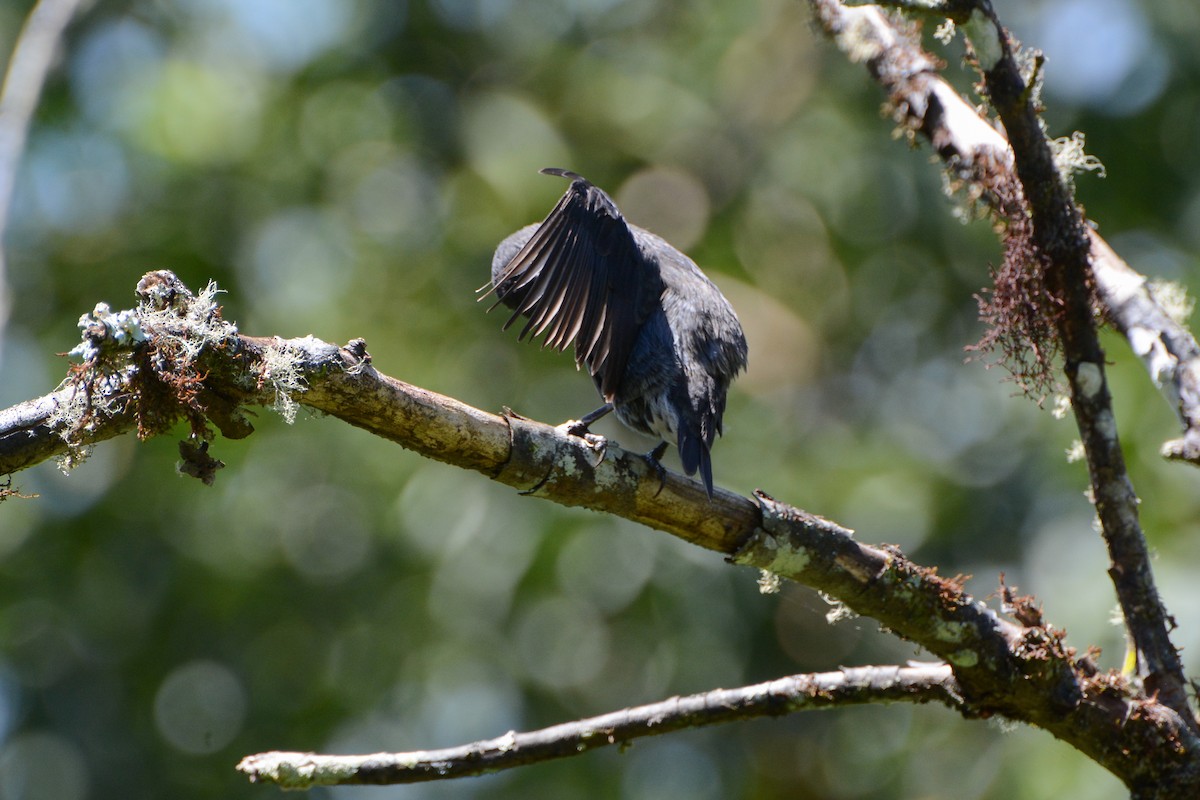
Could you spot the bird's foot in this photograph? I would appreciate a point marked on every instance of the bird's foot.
(577, 427)
(594, 441)
(652, 458)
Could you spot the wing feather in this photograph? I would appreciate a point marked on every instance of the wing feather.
(580, 278)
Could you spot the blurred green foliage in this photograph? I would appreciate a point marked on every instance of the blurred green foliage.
(343, 168)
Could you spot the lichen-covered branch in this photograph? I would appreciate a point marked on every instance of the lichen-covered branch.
(174, 358)
(916, 684)
(1046, 240)
(1023, 672)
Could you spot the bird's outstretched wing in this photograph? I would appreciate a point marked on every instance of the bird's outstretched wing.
(581, 278)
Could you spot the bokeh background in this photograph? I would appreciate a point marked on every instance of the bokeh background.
(343, 168)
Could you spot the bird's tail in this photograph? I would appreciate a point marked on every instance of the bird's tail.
(694, 455)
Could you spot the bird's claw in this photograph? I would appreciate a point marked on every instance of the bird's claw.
(652, 458)
(594, 441)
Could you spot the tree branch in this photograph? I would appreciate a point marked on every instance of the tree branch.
(1062, 239)
(192, 362)
(975, 153)
(971, 146)
(31, 59)
(1166, 347)
(174, 358)
(916, 684)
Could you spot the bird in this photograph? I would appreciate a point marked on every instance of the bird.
(658, 338)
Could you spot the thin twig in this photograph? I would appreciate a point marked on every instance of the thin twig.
(32, 57)
(887, 684)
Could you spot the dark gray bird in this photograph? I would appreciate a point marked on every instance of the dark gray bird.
(660, 340)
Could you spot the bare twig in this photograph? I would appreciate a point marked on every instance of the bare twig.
(32, 57)
(974, 151)
(916, 684)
